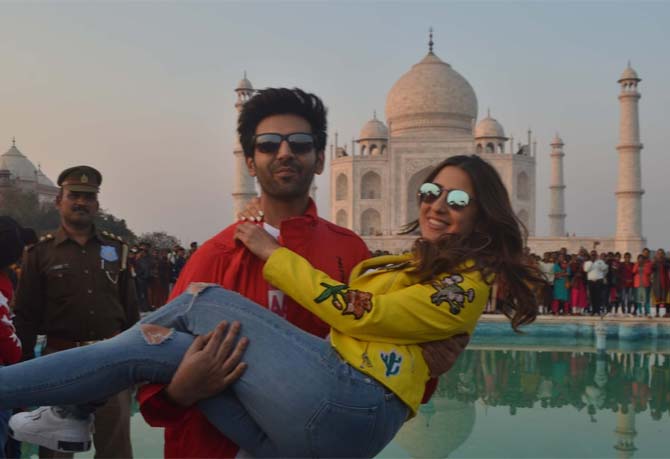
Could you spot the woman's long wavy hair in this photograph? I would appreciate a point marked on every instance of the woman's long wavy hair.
(495, 244)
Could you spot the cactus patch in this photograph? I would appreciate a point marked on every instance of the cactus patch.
(392, 361)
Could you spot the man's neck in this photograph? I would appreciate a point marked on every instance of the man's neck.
(275, 211)
(79, 235)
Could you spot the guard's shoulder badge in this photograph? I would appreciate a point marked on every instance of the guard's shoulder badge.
(46, 238)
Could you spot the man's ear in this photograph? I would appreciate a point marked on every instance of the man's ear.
(251, 165)
(320, 162)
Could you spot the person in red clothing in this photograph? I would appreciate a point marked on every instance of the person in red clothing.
(11, 247)
(626, 284)
(290, 215)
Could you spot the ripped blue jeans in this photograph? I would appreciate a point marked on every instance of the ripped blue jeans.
(297, 398)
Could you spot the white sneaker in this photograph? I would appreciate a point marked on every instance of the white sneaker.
(46, 427)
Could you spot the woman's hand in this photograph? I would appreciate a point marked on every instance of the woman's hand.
(252, 212)
(256, 239)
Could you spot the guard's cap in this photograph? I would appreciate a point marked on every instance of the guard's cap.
(81, 178)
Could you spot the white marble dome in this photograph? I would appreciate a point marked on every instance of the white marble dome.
(18, 165)
(431, 95)
(374, 129)
(489, 127)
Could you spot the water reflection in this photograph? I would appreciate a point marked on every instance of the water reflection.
(577, 389)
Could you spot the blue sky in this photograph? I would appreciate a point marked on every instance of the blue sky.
(145, 91)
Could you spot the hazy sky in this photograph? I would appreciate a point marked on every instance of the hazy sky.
(145, 91)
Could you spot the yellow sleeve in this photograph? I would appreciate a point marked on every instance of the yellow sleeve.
(418, 313)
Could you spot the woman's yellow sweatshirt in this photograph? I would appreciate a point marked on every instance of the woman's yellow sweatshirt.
(381, 317)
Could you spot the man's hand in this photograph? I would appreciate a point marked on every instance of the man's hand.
(441, 355)
(210, 365)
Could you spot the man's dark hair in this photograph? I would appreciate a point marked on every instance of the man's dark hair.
(280, 101)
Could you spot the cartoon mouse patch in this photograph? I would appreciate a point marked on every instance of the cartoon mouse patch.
(350, 302)
(449, 291)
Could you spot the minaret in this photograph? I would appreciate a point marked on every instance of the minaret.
(557, 190)
(625, 432)
(244, 188)
(629, 191)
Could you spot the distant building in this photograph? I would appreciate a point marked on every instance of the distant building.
(18, 172)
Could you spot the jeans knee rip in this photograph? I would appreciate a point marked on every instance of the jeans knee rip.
(155, 334)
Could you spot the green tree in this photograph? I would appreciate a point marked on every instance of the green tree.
(159, 240)
(106, 221)
(25, 208)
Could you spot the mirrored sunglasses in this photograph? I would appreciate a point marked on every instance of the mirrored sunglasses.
(299, 142)
(456, 199)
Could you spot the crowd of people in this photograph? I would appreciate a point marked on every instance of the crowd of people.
(155, 272)
(605, 283)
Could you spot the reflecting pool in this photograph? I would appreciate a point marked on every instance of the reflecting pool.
(528, 401)
(530, 397)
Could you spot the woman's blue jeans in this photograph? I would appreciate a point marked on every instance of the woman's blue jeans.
(296, 398)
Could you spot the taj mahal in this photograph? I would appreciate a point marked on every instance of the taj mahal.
(431, 114)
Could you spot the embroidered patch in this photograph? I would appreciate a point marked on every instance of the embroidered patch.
(108, 253)
(449, 290)
(350, 302)
(392, 362)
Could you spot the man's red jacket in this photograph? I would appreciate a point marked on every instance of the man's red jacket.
(330, 248)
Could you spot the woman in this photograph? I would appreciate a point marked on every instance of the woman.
(578, 297)
(346, 398)
(561, 276)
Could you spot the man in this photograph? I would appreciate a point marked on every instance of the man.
(76, 289)
(177, 265)
(283, 134)
(143, 277)
(596, 272)
(192, 250)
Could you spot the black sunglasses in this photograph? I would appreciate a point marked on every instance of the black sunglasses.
(456, 199)
(299, 142)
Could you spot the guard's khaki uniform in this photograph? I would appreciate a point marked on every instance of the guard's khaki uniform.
(75, 295)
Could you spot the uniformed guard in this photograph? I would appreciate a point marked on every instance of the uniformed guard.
(76, 290)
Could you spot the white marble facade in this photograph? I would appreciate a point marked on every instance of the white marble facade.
(431, 113)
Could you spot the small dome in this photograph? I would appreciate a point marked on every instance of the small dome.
(489, 127)
(557, 140)
(18, 165)
(245, 84)
(431, 95)
(629, 74)
(374, 129)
